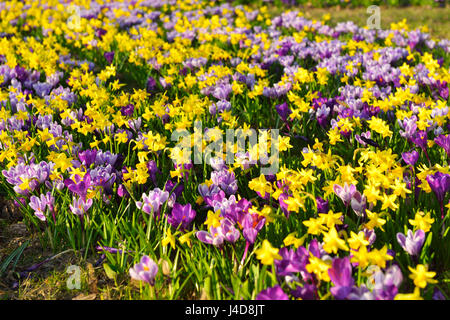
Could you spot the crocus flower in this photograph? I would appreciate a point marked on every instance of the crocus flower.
(145, 270)
(440, 184)
(225, 180)
(322, 205)
(444, 142)
(80, 185)
(151, 84)
(292, 261)
(181, 216)
(345, 193)
(283, 111)
(109, 56)
(274, 293)
(412, 242)
(122, 191)
(79, 206)
(87, 157)
(341, 276)
(307, 291)
(410, 158)
(386, 284)
(216, 236)
(152, 203)
(420, 139)
(252, 224)
(39, 206)
(127, 110)
(358, 203)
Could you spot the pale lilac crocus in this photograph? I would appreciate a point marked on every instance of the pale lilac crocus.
(39, 206)
(345, 193)
(412, 242)
(358, 203)
(146, 270)
(79, 206)
(386, 284)
(153, 201)
(216, 236)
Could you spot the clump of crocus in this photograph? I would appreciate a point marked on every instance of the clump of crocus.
(217, 235)
(39, 205)
(145, 270)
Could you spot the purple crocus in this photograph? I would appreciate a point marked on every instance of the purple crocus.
(283, 111)
(151, 84)
(412, 242)
(252, 224)
(80, 185)
(122, 191)
(386, 284)
(109, 56)
(341, 276)
(273, 293)
(322, 205)
(440, 184)
(127, 110)
(225, 180)
(181, 216)
(410, 158)
(420, 139)
(291, 262)
(145, 270)
(444, 142)
(87, 157)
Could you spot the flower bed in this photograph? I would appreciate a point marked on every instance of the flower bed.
(121, 126)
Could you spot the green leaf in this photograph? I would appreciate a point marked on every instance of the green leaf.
(110, 273)
(15, 254)
(426, 245)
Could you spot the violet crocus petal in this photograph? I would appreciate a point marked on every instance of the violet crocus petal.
(274, 293)
(340, 293)
(204, 237)
(401, 240)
